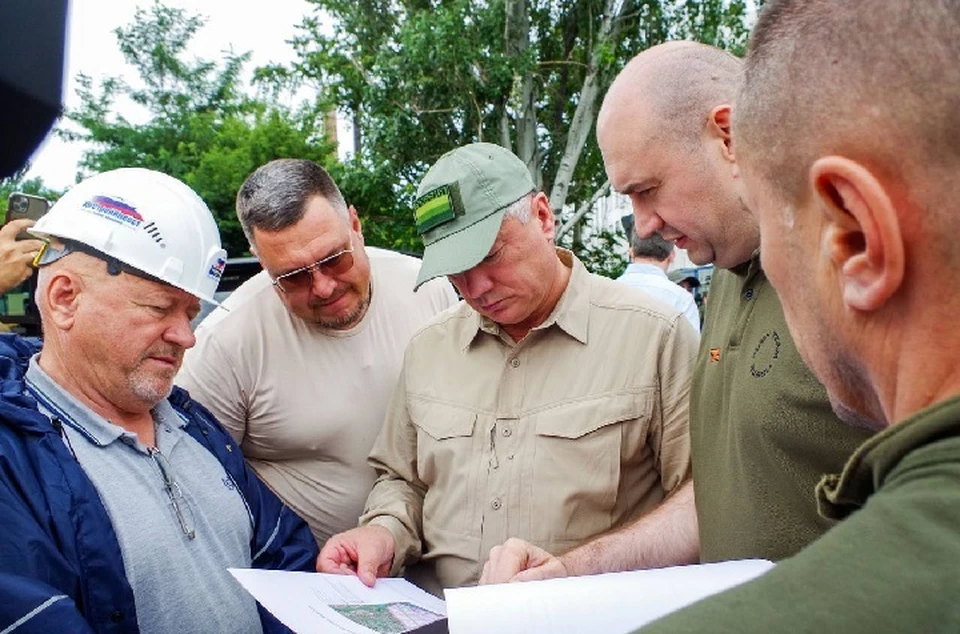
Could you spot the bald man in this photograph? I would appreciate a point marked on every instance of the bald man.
(849, 156)
(762, 431)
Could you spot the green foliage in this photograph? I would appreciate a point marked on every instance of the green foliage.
(604, 252)
(200, 128)
(416, 78)
(420, 77)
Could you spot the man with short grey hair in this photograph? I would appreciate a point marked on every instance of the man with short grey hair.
(649, 259)
(517, 413)
(300, 361)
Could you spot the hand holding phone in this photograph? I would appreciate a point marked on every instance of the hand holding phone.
(16, 256)
(20, 205)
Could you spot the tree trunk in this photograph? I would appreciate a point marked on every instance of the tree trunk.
(517, 43)
(582, 121)
(357, 137)
(585, 206)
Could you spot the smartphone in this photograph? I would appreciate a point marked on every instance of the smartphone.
(20, 205)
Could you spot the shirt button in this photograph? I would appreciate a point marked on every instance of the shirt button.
(748, 294)
(507, 432)
(495, 505)
(515, 362)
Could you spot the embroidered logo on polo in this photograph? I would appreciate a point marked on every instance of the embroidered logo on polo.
(765, 354)
(714, 355)
(437, 206)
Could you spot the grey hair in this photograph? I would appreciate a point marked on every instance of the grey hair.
(520, 209)
(275, 196)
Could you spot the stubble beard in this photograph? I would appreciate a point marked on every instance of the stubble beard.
(352, 318)
(151, 387)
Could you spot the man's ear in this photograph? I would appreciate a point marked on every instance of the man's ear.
(62, 295)
(718, 128)
(355, 222)
(862, 232)
(541, 212)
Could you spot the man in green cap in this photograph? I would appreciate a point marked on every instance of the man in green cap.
(518, 412)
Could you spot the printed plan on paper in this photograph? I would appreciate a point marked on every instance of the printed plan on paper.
(612, 603)
(313, 602)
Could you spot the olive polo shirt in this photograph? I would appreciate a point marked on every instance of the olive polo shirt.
(890, 567)
(762, 431)
(578, 428)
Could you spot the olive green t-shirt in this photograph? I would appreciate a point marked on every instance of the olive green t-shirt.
(890, 567)
(762, 431)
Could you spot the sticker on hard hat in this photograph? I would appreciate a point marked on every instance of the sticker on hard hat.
(115, 210)
(216, 269)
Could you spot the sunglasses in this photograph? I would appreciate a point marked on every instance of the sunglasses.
(301, 279)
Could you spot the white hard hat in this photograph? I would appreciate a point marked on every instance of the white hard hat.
(147, 220)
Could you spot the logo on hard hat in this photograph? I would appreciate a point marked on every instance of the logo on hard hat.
(216, 269)
(115, 210)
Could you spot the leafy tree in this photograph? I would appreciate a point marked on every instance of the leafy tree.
(420, 77)
(201, 127)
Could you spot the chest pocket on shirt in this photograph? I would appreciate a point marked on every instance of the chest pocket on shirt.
(580, 449)
(444, 441)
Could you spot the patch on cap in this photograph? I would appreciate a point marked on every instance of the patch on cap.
(437, 207)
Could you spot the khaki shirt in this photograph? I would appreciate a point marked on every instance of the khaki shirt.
(579, 428)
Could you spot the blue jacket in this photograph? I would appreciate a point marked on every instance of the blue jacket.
(60, 563)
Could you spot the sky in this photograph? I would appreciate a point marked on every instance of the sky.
(91, 48)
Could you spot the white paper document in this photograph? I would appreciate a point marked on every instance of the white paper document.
(613, 603)
(309, 602)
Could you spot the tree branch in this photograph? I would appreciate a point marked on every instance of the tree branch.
(583, 209)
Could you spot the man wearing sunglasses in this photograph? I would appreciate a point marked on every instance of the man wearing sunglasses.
(300, 362)
(518, 413)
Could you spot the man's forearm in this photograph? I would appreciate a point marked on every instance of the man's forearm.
(667, 536)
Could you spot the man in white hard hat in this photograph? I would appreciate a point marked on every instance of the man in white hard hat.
(124, 502)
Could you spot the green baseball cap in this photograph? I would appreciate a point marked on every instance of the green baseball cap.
(460, 206)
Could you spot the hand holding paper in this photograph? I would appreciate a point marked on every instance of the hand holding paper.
(518, 560)
(366, 552)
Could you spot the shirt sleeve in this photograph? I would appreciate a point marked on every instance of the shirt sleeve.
(672, 438)
(889, 567)
(30, 605)
(396, 500)
(209, 375)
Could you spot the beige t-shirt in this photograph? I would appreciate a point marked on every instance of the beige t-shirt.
(305, 404)
(577, 429)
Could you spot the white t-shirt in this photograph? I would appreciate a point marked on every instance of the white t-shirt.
(654, 281)
(306, 403)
